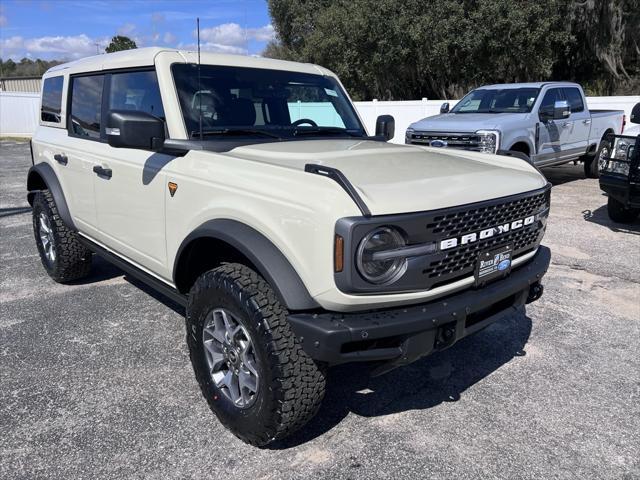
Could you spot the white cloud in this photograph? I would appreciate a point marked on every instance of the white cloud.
(169, 38)
(214, 48)
(225, 34)
(58, 47)
(126, 29)
(262, 34)
(233, 35)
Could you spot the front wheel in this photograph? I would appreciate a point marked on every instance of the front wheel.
(251, 368)
(618, 212)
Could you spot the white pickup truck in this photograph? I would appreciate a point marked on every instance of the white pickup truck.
(548, 122)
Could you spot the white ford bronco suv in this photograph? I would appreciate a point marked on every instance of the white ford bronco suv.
(248, 190)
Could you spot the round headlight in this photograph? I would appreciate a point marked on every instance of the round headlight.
(381, 271)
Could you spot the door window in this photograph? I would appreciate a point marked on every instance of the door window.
(86, 111)
(551, 97)
(574, 98)
(136, 91)
(52, 99)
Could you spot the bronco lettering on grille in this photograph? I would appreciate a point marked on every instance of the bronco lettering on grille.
(487, 233)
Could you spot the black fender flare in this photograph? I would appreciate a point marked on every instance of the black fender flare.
(50, 179)
(263, 254)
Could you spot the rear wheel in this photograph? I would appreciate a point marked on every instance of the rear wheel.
(593, 165)
(619, 213)
(251, 368)
(63, 256)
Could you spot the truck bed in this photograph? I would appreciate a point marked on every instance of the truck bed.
(604, 113)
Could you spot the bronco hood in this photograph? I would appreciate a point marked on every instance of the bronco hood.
(404, 178)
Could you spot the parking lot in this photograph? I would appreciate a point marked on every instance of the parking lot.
(96, 381)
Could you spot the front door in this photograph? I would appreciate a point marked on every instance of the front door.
(550, 131)
(130, 185)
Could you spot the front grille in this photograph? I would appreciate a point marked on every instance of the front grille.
(447, 266)
(467, 141)
(460, 261)
(466, 221)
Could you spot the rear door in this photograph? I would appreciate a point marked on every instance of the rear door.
(575, 136)
(550, 131)
(130, 202)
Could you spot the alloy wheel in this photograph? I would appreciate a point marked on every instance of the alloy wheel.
(46, 237)
(231, 358)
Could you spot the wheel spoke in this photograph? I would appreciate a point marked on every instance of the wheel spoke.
(214, 333)
(230, 382)
(248, 382)
(249, 362)
(228, 325)
(239, 330)
(215, 357)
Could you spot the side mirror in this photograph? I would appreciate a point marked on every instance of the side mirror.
(444, 108)
(561, 110)
(558, 111)
(134, 129)
(635, 114)
(385, 127)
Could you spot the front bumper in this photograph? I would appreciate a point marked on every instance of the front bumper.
(402, 335)
(619, 187)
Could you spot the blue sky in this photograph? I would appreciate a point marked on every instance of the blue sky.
(70, 29)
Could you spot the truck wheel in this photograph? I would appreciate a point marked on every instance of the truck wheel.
(64, 258)
(619, 213)
(593, 164)
(251, 368)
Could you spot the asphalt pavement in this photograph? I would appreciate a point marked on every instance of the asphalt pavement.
(95, 379)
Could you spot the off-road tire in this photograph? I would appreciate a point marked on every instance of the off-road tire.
(291, 385)
(619, 213)
(72, 259)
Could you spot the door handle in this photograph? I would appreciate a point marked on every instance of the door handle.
(587, 121)
(102, 171)
(61, 159)
(566, 124)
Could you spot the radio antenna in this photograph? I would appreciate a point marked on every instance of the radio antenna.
(199, 84)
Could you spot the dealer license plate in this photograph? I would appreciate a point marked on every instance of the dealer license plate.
(493, 264)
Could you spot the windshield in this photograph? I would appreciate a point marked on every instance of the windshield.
(261, 102)
(507, 100)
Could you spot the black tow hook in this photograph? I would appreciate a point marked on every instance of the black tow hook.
(535, 292)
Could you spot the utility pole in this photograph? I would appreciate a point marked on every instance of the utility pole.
(97, 48)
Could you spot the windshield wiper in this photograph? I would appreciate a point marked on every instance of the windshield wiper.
(234, 131)
(323, 130)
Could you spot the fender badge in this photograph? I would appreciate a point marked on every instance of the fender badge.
(172, 188)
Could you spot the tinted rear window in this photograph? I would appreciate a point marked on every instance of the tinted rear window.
(86, 103)
(52, 99)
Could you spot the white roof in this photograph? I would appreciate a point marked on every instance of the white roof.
(140, 57)
(530, 85)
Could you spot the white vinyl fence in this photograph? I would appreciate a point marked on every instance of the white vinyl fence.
(19, 111)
